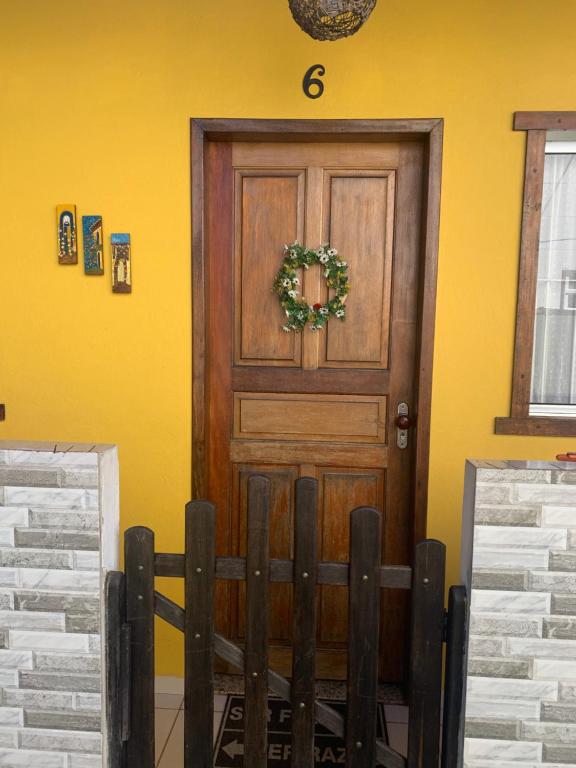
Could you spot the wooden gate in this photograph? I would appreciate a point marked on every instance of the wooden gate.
(132, 602)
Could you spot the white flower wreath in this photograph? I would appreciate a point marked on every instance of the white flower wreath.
(298, 311)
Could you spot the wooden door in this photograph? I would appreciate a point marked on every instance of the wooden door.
(320, 404)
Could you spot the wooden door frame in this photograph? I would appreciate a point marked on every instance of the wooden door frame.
(428, 130)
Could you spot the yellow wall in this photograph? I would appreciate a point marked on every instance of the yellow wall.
(95, 99)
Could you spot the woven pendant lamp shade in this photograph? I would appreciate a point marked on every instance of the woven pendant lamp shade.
(331, 19)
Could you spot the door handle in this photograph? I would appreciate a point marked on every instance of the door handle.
(403, 423)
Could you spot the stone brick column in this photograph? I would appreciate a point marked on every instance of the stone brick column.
(519, 557)
(57, 503)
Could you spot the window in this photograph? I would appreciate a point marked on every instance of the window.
(544, 382)
(554, 355)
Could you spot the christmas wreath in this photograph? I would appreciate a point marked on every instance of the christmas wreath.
(298, 311)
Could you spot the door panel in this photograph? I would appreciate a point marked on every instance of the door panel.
(340, 491)
(267, 208)
(319, 404)
(282, 481)
(343, 418)
(358, 216)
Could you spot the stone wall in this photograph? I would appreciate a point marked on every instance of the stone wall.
(51, 508)
(519, 554)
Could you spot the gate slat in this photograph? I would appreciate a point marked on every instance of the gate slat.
(234, 568)
(425, 674)
(304, 630)
(139, 570)
(125, 682)
(256, 657)
(363, 631)
(115, 611)
(199, 634)
(454, 676)
(170, 611)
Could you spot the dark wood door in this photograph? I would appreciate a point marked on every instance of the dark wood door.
(320, 404)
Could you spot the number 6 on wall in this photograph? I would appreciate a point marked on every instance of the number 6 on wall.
(312, 86)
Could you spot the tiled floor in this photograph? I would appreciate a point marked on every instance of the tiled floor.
(170, 723)
(170, 728)
(397, 727)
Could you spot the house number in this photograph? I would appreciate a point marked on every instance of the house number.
(312, 86)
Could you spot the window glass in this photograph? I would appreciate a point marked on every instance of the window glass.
(554, 359)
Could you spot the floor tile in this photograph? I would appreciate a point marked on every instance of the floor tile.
(173, 754)
(164, 721)
(396, 713)
(165, 684)
(170, 694)
(168, 700)
(398, 737)
(217, 720)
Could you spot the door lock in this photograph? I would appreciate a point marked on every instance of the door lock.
(403, 423)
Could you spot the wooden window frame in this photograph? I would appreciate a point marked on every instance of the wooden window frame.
(431, 132)
(536, 125)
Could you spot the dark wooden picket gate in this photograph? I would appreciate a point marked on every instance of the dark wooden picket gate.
(132, 602)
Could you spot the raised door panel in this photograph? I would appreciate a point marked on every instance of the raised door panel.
(269, 210)
(343, 418)
(358, 220)
(282, 481)
(340, 491)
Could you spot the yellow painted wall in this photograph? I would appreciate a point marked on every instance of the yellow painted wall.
(95, 98)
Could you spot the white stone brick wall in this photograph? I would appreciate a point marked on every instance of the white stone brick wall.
(519, 558)
(50, 609)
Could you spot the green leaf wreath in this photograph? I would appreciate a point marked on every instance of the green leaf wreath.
(286, 283)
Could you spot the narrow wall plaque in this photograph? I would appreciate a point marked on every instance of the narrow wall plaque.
(67, 239)
(121, 263)
(92, 237)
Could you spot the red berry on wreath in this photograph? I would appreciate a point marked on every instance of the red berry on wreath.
(316, 306)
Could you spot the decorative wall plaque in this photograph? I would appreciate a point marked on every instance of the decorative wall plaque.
(67, 238)
(93, 240)
(121, 263)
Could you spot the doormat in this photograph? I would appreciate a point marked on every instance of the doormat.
(330, 749)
